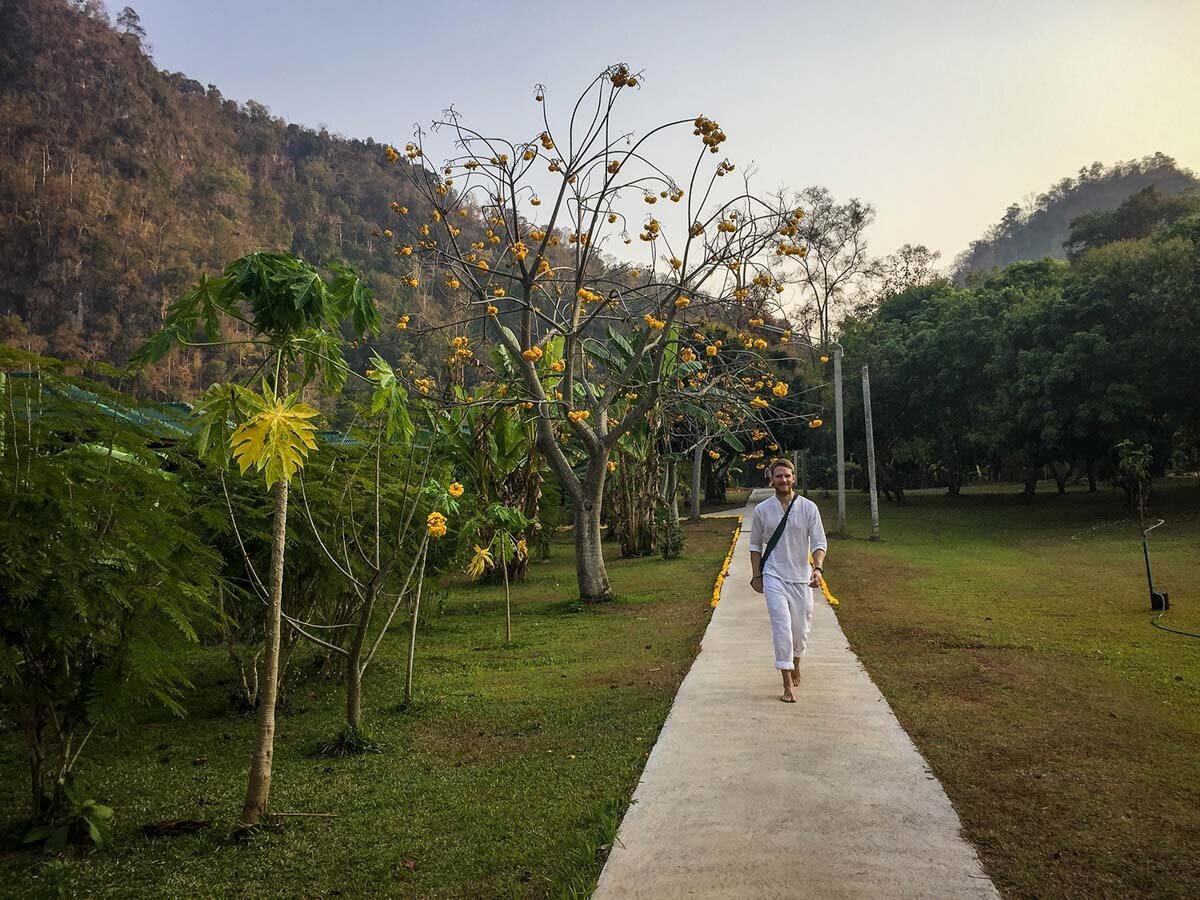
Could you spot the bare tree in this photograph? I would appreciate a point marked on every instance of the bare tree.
(836, 260)
(913, 265)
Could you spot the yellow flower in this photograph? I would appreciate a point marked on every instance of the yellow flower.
(436, 525)
(655, 324)
(578, 415)
(402, 322)
(455, 490)
(711, 350)
(815, 423)
(612, 466)
(681, 302)
(759, 403)
(780, 389)
(392, 155)
(558, 366)
(533, 354)
(824, 359)
(687, 354)
(480, 562)
(411, 281)
(492, 310)
(760, 344)
(676, 262)
(424, 385)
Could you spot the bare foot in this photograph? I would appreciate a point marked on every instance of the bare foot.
(788, 697)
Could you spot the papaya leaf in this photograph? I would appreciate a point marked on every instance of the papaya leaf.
(275, 440)
(354, 299)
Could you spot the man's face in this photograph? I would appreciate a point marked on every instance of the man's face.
(781, 479)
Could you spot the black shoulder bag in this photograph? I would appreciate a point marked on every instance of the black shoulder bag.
(776, 535)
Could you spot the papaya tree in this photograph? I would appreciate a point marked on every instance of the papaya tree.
(291, 315)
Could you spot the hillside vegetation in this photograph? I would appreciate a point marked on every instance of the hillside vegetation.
(1042, 227)
(123, 183)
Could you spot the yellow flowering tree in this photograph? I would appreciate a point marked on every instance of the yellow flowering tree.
(551, 209)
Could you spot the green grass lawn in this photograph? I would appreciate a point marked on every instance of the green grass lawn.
(505, 779)
(1014, 643)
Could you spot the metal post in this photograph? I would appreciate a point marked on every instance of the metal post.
(841, 440)
(804, 471)
(866, 377)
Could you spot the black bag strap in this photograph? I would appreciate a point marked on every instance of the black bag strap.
(762, 564)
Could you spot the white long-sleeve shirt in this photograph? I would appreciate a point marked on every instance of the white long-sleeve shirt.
(803, 535)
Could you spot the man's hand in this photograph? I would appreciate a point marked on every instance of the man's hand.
(816, 580)
(756, 583)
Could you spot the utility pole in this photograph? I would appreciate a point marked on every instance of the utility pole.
(841, 440)
(804, 471)
(866, 377)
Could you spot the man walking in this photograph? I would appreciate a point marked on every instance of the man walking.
(785, 531)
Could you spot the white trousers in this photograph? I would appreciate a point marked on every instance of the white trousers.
(790, 607)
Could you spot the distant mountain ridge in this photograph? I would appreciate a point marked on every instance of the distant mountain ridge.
(121, 183)
(1041, 229)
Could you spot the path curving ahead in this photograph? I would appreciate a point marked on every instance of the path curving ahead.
(744, 796)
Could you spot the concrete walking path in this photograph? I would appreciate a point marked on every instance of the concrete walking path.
(744, 796)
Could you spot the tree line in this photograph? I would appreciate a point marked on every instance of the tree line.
(1043, 368)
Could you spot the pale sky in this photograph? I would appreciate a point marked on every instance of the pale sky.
(939, 114)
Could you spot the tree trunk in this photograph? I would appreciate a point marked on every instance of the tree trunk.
(672, 491)
(40, 805)
(507, 590)
(1062, 474)
(697, 470)
(412, 633)
(259, 788)
(354, 661)
(1091, 476)
(589, 557)
(354, 694)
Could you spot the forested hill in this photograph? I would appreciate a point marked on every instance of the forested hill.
(120, 184)
(1041, 228)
